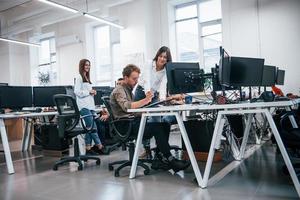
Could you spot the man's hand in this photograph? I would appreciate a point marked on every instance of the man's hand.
(149, 96)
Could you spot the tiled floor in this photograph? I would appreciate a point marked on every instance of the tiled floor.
(258, 177)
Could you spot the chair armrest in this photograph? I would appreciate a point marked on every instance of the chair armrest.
(122, 134)
(62, 119)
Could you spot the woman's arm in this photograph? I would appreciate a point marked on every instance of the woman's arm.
(78, 89)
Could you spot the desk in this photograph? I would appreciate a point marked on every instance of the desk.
(26, 134)
(247, 109)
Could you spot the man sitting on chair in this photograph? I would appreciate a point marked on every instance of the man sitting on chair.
(121, 99)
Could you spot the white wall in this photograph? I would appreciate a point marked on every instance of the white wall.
(268, 29)
(4, 63)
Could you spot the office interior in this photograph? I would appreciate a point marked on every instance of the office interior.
(236, 61)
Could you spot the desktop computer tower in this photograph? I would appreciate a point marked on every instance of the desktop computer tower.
(51, 139)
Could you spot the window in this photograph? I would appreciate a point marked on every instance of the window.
(107, 55)
(46, 72)
(199, 32)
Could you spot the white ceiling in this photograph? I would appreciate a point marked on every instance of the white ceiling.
(19, 16)
(7, 4)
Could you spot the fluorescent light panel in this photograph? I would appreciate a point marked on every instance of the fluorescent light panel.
(59, 6)
(20, 42)
(85, 14)
(103, 21)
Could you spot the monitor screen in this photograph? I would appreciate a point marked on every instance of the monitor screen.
(15, 97)
(269, 76)
(224, 68)
(246, 71)
(43, 95)
(101, 92)
(280, 77)
(184, 78)
(216, 83)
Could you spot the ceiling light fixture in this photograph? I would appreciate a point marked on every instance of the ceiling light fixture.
(19, 42)
(103, 20)
(84, 14)
(59, 6)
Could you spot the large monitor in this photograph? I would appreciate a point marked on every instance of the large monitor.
(15, 97)
(43, 95)
(101, 92)
(224, 68)
(216, 83)
(280, 77)
(269, 76)
(184, 78)
(246, 71)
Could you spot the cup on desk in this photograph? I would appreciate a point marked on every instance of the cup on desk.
(188, 99)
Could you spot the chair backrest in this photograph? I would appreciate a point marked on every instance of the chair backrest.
(68, 112)
(121, 129)
(106, 101)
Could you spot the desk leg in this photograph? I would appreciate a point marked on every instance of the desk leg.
(283, 151)
(292, 119)
(137, 147)
(189, 150)
(219, 126)
(25, 135)
(9, 163)
(246, 135)
(29, 134)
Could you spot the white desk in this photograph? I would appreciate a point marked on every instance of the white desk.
(26, 134)
(247, 109)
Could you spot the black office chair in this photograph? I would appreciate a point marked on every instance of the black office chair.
(122, 129)
(68, 119)
(291, 138)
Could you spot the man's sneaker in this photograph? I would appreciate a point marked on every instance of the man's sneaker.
(178, 165)
(158, 164)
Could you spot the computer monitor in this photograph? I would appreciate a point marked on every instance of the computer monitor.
(280, 77)
(15, 97)
(184, 77)
(43, 95)
(269, 76)
(224, 68)
(246, 71)
(216, 83)
(101, 92)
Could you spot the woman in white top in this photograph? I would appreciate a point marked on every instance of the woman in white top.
(85, 101)
(154, 78)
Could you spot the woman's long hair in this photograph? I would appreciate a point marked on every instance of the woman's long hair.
(81, 70)
(161, 50)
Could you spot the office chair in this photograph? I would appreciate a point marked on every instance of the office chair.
(122, 129)
(68, 119)
(291, 138)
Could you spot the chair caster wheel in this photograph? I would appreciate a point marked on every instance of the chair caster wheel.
(98, 162)
(80, 168)
(146, 172)
(117, 174)
(110, 168)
